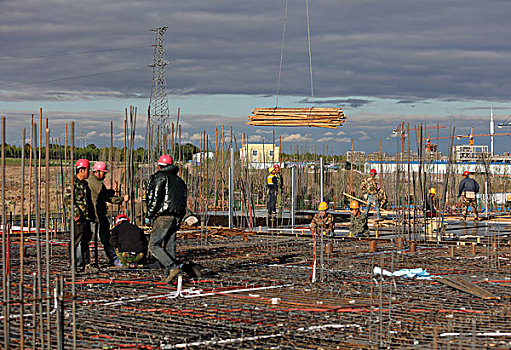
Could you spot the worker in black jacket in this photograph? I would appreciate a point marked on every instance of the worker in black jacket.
(431, 204)
(468, 191)
(166, 203)
(128, 240)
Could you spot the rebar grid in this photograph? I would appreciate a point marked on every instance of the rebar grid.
(252, 297)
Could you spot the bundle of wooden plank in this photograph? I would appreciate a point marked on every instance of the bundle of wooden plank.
(318, 117)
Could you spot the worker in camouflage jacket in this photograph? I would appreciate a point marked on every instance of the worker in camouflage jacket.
(323, 221)
(100, 195)
(371, 187)
(468, 190)
(358, 221)
(83, 213)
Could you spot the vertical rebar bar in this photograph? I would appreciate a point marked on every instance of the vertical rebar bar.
(38, 236)
(4, 234)
(22, 241)
(231, 190)
(47, 234)
(293, 196)
(321, 180)
(72, 226)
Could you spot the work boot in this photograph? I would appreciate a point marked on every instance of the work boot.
(171, 275)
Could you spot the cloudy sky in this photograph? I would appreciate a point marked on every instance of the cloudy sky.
(384, 62)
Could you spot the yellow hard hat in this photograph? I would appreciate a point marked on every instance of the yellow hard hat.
(323, 206)
(354, 205)
(508, 196)
(271, 169)
(432, 190)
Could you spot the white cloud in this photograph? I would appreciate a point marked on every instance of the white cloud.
(328, 133)
(294, 138)
(325, 139)
(363, 135)
(341, 133)
(255, 138)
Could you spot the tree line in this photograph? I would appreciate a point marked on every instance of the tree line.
(92, 152)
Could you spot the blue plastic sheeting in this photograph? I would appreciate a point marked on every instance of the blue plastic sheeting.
(418, 273)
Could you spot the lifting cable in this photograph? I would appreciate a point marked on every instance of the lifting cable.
(282, 51)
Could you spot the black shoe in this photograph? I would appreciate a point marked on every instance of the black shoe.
(192, 269)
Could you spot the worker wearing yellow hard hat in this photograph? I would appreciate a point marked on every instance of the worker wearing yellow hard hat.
(358, 221)
(508, 203)
(431, 204)
(323, 221)
(271, 181)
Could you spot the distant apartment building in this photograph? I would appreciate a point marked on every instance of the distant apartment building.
(471, 153)
(260, 154)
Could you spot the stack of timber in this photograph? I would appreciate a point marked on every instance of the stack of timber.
(318, 117)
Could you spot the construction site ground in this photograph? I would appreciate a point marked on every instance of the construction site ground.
(256, 292)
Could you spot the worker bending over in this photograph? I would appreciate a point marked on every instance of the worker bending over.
(468, 190)
(358, 221)
(129, 241)
(323, 221)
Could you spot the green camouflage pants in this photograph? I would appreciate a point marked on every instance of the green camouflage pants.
(465, 203)
(127, 258)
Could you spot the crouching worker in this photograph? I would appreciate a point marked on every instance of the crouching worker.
(358, 221)
(129, 241)
(323, 222)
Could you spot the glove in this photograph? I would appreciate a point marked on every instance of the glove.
(147, 221)
(191, 220)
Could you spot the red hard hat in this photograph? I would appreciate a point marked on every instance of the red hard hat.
(100, 166)
(120, 218)
(82, 163)
(276, 166)
(466, 173)
(372, 171)
(165, 160)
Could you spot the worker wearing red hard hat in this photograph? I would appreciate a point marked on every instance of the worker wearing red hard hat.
(83, 214)
(371, 188)
(468, 190)
(100, 195)
(129, 241)
(166, 204)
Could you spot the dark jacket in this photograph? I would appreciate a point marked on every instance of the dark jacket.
(166, 193)
(468, 185)
(100, 195)
(127, 237)
(430, 204)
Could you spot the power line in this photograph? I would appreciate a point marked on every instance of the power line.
(73, 53)
(73, 77)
